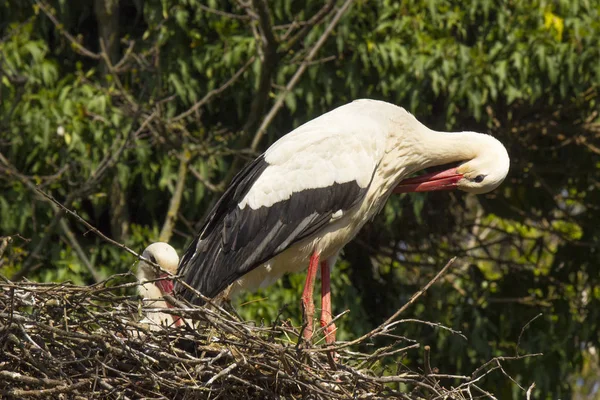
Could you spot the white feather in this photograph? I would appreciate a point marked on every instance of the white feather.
(373, 143)
(360, 141)
(317, 155)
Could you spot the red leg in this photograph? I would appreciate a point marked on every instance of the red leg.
(326, 315)
(308, 305)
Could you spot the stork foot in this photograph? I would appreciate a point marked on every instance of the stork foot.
(308, 305)
(329, 327)
(327, 324)
(308, 312)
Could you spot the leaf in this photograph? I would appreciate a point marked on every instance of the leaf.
(553, 22)
(290, 101)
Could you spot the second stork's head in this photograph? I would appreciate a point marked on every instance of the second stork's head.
(166, 257)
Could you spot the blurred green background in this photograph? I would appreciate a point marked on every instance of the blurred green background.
(136, 114)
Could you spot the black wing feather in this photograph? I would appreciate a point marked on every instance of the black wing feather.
(234, 241)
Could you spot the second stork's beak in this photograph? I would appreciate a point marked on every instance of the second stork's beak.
(165, 285)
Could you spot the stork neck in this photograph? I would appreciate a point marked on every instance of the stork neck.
(439, 148)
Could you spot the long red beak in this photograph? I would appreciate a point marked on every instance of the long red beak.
(166, 285)
(444, 180)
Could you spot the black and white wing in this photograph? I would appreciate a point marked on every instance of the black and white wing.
(287, 194)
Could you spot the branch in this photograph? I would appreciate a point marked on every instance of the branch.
(107, 18)
(523, 330)
(307, 26)
(496, 360)
(74, 42)
(45, 393)
(106, 164)
(77, 247)
(4, 241)
(219, 188)
(269, 64)
(214, 92)
(88, 225)
(390, 320)
(313, 52)
(264, 20)
(223, 13)
(81, 254)
(108, 65)
(15, 376)
(167, 229)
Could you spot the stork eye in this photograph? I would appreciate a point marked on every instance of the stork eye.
(479, 178)
(152, 258)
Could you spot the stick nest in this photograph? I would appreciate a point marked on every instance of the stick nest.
(78, 342)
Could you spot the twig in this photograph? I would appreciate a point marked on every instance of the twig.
(496, 359)
(530, 390)
(221, 374)
(44, 393)
(107, 163)
(222, 13)
(167, 229)
(269, 62)
(391, 319)
(90, 226)
(80, 253)
(74, 42)
(296, 77)
(308, 25)
(89, 332)
(523, 330)
(212, 187)
(214, 92)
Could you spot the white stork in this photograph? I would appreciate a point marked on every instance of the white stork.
(152, 292)
(309, 194)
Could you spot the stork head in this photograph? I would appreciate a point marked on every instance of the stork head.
(484, 165)
(487, 170)
(166, 257)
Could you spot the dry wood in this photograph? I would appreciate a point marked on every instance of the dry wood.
(59, 339)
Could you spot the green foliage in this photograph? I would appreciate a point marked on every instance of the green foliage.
(109, 139)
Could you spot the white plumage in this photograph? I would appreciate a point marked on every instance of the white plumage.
(311, 192)
(152, 292)
(317, 155)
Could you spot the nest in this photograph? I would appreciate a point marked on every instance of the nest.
(79, 342)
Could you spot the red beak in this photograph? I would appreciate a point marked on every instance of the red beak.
(444, 180)
(165, 285)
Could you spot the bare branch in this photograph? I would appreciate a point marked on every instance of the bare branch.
(306, 28)
(223, 13)
(212, 187)
(106, 164)
(214, 92)
(523, 330)
(74, 42)
(171, 218)
(88, 225)
(296, 77)
(269, 62)
(77, 247)
(390, 320)
(264, 19)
